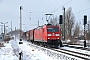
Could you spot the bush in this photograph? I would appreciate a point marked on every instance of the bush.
(1, 44)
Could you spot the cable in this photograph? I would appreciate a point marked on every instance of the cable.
(56, 3)
(82, 10)
(78, 3)
(52, 3)
(62, 5)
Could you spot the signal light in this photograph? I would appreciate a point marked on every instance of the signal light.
(60, 19)
(20, 41)
(85, 19)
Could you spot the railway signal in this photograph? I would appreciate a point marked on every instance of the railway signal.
(60, 19)
(85, 19)
(85, 22)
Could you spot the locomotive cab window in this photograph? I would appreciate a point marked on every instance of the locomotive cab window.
(52, 29)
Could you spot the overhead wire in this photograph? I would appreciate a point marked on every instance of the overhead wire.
(56, 3)
(75, 5)
(82, 10)
(57, 8)
(62, 5)
(78, 3)
(52, 3)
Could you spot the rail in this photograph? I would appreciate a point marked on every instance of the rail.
(62, 54)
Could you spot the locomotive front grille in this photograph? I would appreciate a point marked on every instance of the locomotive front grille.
(53, 42)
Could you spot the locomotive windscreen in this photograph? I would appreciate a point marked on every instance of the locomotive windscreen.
(52, 29)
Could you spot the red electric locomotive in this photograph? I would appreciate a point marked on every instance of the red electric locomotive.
(47, 34)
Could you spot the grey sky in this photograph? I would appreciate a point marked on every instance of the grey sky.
(9, 10)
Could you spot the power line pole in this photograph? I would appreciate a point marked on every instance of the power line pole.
(11, 28)
(4, 28)
(30, 15)
(20, 25)
(15, 33)
(64, 24)
(30, 19)
(38, 23)
(1, 28)
(4, 31)
(20, 21)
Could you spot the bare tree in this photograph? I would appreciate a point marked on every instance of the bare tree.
(54, 21)
(76, 30)
(88, 31)
(69, 22)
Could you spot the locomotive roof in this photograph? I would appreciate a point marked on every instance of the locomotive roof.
(44, 25)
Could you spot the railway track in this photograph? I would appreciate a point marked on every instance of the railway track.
(64, 54)
(74, 53)
(78, 47)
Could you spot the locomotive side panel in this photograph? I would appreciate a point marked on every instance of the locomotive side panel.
(38, 35)
(41, 34)
(45, 33)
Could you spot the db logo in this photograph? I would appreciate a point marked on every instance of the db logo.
(53, 34)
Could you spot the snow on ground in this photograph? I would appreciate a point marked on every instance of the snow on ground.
(30, 53)
(6, 53)
(11, 50)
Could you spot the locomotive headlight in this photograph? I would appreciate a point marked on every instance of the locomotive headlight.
(57, 38)
(57, 35)
(49, 34)
(48, 38)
